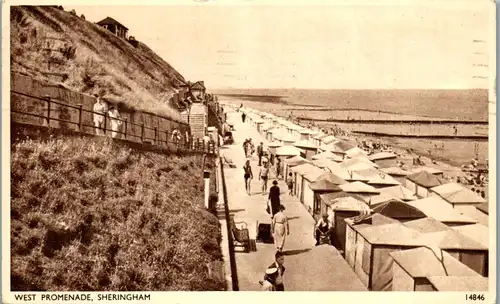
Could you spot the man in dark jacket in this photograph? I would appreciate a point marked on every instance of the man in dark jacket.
(260, 152)
(278, 263)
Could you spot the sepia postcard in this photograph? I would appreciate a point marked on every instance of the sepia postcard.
(187, 150)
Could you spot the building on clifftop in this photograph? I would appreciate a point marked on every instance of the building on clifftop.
(114, 27)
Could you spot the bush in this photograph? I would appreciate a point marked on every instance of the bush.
(90, 216)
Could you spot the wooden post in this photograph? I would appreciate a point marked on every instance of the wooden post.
(156, 135)
(166, 137)
(80, 117)
(142, 132)
(47, 98)
(125, 131)
(105, 122)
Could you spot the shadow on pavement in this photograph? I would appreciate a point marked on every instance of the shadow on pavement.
(296, 251)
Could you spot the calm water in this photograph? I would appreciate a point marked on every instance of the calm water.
(451, 104)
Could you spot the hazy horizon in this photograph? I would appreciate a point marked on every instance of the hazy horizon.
(375, 45)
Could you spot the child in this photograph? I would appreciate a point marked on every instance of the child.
(289, 182)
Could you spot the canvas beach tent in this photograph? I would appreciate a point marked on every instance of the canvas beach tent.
(321, 186)
(368, 248)
(344, 173)
(466, 250)
(357, 162)
(309, 148)
(397, 173)
(356, 152)
(327, 155)
(339, 206)
(440, 210)
(288, 151)
(431, 170)
(459, 283)
(426, 225)
(412, 268)
(317, 138)
(361, 189)
(292, 162)
(321, 163)
(420, 183)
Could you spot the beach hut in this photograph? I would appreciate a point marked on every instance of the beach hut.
(344, 173)
(344, 145)
(439, 209)
(368, 248)
(476, 212)
(271, 147)
(398, 210)
(305, 134)
(356, 152)
(437, 172)
(465, 249)
(260, 124)
(292, 162)
(399, 192)
(309, 148)
(457, 196)
(420, 183)
(378, 179)
(321, 163)
(288, 151)
(328, 140)
(317, 138)
(397, 173)
(270, 133)
(327, 155)
(339, 206)
(321, 186)
(264, 128)
(384, 159)
(307, 197)
(427, 225)
(334, 149)
(447, 283)
(361, 189)
(358, 163)
(298, 172)
(412, 268)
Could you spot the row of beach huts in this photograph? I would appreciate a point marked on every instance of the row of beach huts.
(399, 230)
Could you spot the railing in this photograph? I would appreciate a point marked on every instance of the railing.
(161, 136)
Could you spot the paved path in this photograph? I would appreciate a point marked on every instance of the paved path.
(299, 246)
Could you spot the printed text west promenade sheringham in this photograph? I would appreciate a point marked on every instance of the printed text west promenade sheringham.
(123, 296)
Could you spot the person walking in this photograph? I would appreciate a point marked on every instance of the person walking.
(278, 167)
(279, 260)
(274, 198)
(243, 117)
(264, 176)
(251, 147)
(115, 122)
(260, 152)
(248, 175)
(245, 147)
(269, 282)
(100, 109)
(289, 183)
(280, 228)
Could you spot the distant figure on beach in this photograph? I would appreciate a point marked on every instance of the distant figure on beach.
(280, 228)
(243, 117)
(278, 167)
(274, 198)
(264, 176)
(289, 183)
(115, 122)
(100, 109)
(247, 168)
(260, 152)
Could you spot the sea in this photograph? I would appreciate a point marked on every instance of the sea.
(471, 104)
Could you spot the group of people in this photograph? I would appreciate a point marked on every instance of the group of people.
(101, 110)
(248, 147)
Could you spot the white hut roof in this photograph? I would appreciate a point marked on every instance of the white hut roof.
(305, 144)
(460, 283)
(342, 201)
(287, 151)
(326, 155)
(399, 192)
(451, 239)
(381, 155)
(477, 232)
(431, 170)
(389, 234)
(320, 136)
(359, 187)
(397, 171)
(426, 225)
(274, 144)
(377, 177)
(441, 210)
(296, 158)
(313, 174)
(422, 262)
(356, 152)
(456, 194)
(328, 139)
(303, 169)
(344, 173)
(358, 163)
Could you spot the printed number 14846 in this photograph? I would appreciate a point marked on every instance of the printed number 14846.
(474, 297)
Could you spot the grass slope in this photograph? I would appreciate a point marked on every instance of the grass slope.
(52, 45)
(88, 215)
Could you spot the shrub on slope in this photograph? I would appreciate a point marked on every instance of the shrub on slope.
(87, 215)
(55, 46)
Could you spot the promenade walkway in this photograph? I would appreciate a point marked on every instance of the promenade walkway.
(308, 267)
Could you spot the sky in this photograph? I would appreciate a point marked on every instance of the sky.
(355, 46)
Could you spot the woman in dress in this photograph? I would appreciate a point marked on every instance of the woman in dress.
(280, 228)
(248, 175)
(116, 122)
(100, 108)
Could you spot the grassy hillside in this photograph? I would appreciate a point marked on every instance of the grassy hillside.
(58, 47)
(90, 215)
